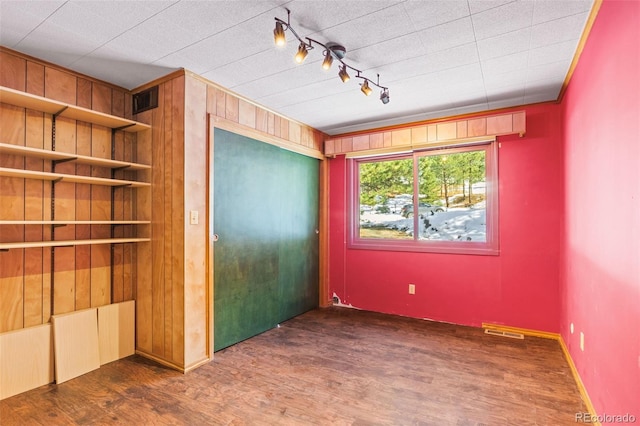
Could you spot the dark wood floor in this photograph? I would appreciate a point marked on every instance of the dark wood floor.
(329, 366)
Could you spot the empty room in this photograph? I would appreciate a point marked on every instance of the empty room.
(318, 212)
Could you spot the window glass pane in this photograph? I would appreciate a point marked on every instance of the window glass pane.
(452, 200)
(385, 188)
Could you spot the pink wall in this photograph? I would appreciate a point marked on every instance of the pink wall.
(600, 284)
(517, 288)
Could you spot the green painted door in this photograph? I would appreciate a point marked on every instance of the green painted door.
(266, 258)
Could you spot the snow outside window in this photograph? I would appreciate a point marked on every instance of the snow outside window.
(439, 200)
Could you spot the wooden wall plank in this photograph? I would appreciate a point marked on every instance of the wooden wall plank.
(446, 131)
(284, 129)
(519, 123)
(158, 225)
(271, 123)
(386, 137)
(59, 85)
(419, 134)
(401, 137)
(83, 210)
(175, 304)
(346, 144)
(76, 347)
(84, 93)
(499, 124)
(101, 98)
(168, 207)
(191, 335)
(461, 128)
(376, 140)
(477, 127)
(33, 211)
(100, 210)
(246, 113)
(361, 143)
(11, 290)
(35, 78)
(26, 361)
(262, 120)
(277, 126)
(143, 263)
(294, 132)
(432, 133)
(64, 278)
(231, 107)
(12, 130)
(118, 209)
(221, 107)
(13, 71)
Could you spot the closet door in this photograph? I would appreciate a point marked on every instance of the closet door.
(265, 205)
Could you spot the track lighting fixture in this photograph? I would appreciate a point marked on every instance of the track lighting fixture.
(328, 60)
(278, 35)
(365, 88)
(344, 76)
(384, 96)
(302, 53)
(331, 51)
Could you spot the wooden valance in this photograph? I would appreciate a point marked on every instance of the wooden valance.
(437, 133)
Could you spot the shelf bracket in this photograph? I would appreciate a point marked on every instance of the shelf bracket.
(61, 111)
(64, 160)
(124, 127)
(58, 225)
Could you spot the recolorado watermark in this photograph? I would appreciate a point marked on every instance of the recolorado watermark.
(605, 418)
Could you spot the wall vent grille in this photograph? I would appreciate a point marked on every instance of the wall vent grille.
(501, 333)
(145, 100)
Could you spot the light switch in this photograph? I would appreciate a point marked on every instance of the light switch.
(193, 217)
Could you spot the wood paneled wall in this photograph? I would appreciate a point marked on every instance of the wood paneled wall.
(82, 274)
(174, 297)
(160, 287)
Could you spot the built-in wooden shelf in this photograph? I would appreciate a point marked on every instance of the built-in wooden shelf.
(62, 156)
(30, 174)
(75, 222)
(68, 243)
(61, 109)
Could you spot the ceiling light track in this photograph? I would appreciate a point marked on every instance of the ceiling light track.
(332, 51)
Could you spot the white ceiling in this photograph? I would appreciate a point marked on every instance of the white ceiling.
(438, 58)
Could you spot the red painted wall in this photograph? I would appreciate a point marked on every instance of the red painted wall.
(600, 285)
(520, 287)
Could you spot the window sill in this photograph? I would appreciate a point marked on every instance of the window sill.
(481, 249)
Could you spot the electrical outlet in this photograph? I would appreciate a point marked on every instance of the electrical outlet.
(582, 341)
(193, 217)
(412, 289)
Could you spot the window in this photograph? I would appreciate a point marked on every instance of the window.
(440, 200)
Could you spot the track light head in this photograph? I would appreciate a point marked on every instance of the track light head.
(344, 76)
(302, 53)
(364, 87)
(278, 35)
(328, 60)
(384, 96)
